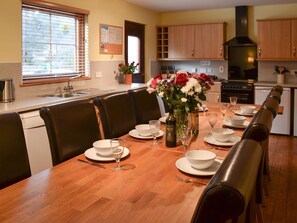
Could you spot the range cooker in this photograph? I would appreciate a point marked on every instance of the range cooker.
(242, 89)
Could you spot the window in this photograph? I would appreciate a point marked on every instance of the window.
(54, 42)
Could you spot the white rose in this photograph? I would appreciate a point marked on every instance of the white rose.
(161, 94)
(183, 99)
(150, 90)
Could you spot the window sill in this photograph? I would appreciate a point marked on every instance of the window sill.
(50, 81)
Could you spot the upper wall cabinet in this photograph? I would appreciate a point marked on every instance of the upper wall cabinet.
(200, 41)
(277, 39)
(209, 41)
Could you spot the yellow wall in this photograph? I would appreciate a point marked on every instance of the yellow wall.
(112, 12)
(228, 15)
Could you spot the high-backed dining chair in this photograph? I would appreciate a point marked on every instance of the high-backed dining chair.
(116, 113)
(72, 128)
(145, 104)
(230, 195)
(278, 88)
(259, 130)
(14, 161)
(272, 104)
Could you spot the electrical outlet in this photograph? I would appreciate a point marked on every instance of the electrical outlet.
(98, 74)
(221, 68)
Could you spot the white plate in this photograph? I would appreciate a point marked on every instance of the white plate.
(211, 140)
(184, 165)
(239, 112)
(135, 134)
(93, 155)
(228, 123)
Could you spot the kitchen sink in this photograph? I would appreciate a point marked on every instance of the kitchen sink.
(65, 95)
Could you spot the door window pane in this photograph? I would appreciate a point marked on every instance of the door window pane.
(134, 51)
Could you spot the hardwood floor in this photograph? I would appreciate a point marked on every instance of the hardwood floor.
(281, 203)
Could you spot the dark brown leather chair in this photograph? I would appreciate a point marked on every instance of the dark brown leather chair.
(230, 194)
(272, 104)
(278, 88)
(14, 161)
(71, 127)
(259, 130)
(116, 113)
(146, 105)
(275, 94)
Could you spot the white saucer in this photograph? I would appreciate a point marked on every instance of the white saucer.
(184, 165)
(228, 123)
(93, 155)
(211, 140)
(134, 134)
(201, 109)
(239, 112)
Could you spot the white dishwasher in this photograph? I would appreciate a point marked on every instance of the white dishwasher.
(281, 123)
(37, 141)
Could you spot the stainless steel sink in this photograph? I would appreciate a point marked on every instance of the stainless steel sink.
(65, 95)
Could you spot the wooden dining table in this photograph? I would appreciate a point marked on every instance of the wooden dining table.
(146, 191)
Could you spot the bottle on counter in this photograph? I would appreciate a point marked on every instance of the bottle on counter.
(171, 129)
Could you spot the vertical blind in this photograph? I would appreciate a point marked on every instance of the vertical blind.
(54, 43)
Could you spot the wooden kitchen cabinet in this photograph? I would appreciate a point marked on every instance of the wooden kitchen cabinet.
(162, 42)
(209, 40)
(277, 39)
(199, 41)
(181, 42)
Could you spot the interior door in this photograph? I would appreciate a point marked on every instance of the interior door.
(134, 48)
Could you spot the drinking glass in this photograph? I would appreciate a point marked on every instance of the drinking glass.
(117, 146)
(154, 129)
(233, 101)
(223, 109)
(203, 105)
(185, 137)
(212, 119)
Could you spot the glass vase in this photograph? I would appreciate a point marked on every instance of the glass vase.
(182, 120)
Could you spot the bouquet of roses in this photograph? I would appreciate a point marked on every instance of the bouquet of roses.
(181, 91)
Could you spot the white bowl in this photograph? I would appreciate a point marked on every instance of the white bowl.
(200, 159)
(143, 129)
(103, 147)
(222, 134)
(237, 120)
(247, 109)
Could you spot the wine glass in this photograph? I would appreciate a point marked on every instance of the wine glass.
(203, 105)
(212, 119)
(154, 126)
(117, 146)
(233, 101)
(223, 109)
(185, 137)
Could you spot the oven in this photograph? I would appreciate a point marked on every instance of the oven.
(243, 90)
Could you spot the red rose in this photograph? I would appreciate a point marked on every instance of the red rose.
(181, 79)
(155, 81)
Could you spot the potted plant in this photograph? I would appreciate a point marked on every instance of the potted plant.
(128, 70)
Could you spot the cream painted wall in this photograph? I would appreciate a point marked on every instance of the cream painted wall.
(113, 12)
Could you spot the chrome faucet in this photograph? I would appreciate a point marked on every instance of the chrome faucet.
(68, 88)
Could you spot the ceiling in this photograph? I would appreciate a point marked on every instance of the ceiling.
(184, 5)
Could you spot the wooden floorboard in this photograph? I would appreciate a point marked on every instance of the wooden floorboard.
(281, 203)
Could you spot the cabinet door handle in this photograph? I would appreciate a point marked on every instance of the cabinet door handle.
(259, 52)
(192, 53)
(294, 51)
(221, 52)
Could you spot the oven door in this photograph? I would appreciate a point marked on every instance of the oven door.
(242, 97)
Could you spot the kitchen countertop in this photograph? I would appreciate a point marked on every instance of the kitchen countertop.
(273, 83)
(36, 102)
